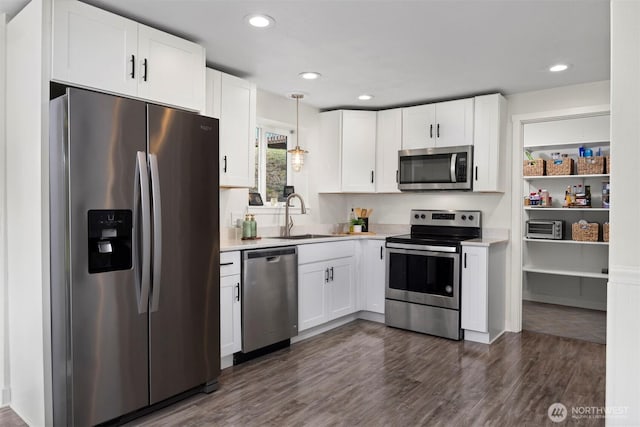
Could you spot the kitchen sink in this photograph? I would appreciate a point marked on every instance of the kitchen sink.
(304, 236)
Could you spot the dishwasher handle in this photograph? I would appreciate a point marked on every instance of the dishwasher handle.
(271, 254)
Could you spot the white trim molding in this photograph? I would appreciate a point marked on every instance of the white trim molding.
(514, 292)
(623, 275)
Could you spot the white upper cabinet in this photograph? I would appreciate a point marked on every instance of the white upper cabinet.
(237, 100)
(94, 48)
(328, 161)
(388, 142)
(418, 126)
(100, 50)
(348, 159)
(489, 151)
(443, 124)
(171, 69)
(358, 151)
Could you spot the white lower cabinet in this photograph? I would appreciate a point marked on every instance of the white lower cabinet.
(482, 288)
(374, 275)
(230, 304)
(326, 284)
(230, 320)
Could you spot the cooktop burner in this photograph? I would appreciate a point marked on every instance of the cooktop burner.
(429, 240)
(429, 227)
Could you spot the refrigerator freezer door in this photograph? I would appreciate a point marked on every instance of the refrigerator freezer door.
(101, 343)
(184, 331)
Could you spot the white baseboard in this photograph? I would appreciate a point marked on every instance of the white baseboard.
(226, 361)
(371, 316)
(312, 332)
(571, 302)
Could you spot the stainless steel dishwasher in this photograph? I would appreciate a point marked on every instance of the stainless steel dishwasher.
(269, 296)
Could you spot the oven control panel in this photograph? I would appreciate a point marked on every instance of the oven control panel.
(446, 218)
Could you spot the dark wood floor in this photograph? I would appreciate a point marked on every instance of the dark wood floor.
(563, 321)
(367, 374)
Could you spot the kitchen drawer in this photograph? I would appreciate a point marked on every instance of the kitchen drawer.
(314, 252)
(229, 263)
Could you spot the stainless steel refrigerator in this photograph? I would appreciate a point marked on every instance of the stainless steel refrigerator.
(134, 255)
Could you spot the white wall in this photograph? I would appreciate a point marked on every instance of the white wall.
(623, 316)
(4, 324)
(27, 211)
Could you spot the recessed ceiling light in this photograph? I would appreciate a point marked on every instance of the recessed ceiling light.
(260, 21)
(309, 75)
(365, 97)
(558, 67)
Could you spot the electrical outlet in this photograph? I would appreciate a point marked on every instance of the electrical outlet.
(236, 219)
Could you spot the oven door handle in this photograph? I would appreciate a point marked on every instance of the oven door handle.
(419, 249)
(452, 168)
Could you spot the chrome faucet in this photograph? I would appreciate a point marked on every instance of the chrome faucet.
(288, 221)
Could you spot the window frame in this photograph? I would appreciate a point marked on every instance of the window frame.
(262, 129)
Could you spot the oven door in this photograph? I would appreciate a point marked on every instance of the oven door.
(423, 276)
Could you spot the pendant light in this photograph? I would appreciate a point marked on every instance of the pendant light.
(297, 154)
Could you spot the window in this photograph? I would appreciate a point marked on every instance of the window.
(271, 168)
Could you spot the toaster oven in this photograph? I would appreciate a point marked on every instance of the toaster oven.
(544, 229)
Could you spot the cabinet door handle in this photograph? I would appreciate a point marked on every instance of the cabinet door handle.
(381, 252)
(331, 275)
(372, 177)
(326, 275)
(465, 260)
(133, 66)
(476, 173)
(237, 291)
(226, 263)
(145, 64)
(225, 164)
(438, 131)
(431, 131)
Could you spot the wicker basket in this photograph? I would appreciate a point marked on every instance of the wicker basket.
(608, 163)
(590, 165)
(585, 232)
(605, 232)
(533, 167)
(564, 168)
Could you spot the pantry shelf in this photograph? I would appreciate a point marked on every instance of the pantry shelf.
(535, 178)
(531, 208)
(566, 242)
(572, 273)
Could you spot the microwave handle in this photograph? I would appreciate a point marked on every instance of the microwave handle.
(454, 161)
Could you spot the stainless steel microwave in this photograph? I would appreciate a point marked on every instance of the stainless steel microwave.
(439, 168)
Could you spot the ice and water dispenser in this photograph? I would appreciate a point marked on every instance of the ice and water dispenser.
(110, 240)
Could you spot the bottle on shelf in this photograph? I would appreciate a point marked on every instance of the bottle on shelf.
(254, 226)
(246, 227)
(587, 194)
(567, 197)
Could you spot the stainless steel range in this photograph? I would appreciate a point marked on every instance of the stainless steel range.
(423, 272)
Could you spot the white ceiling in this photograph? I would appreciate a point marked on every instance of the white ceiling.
(403, 52)
(11, 7)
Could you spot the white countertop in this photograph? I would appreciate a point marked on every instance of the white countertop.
(484, 241)
(270, 242)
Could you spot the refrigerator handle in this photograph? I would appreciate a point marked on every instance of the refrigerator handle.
(157, 233)
(141, 197)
